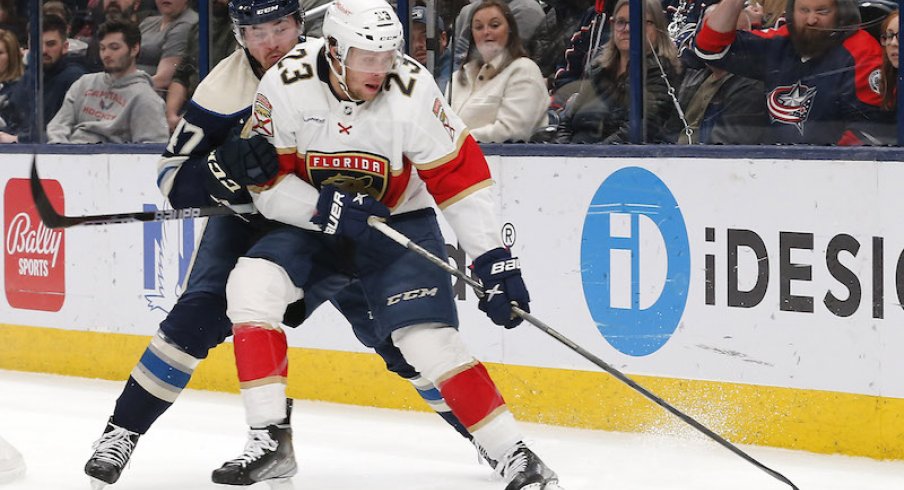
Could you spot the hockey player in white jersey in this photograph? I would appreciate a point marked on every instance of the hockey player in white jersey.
(206, 158)
(361, 131)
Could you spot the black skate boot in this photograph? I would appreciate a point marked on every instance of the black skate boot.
(111, 453)
(268, 455)
(523, 470)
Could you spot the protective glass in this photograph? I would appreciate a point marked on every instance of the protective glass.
(276, 32)
(367, 61)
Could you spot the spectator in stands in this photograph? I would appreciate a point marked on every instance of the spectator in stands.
(442, 66)
(11, 70)
(222, 38)
(187, 75)
(105, 11)
(548, 43)
(60, 72)
(589, 37)
(528, 16)
(61, 68)
(499, 92)
(718, 107)
(887, 134)
(116, 106)
(820, 71)
(773, 14)
(120, 10)
(164, 40)
(599, 113)
(77, 47)
(889, 85)
(10, 20)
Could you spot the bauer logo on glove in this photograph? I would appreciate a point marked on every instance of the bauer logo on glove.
(345, 214)
(500, 274)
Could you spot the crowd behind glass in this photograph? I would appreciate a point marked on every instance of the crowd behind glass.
(542, 71)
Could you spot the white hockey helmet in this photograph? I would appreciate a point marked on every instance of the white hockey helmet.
(370, 25)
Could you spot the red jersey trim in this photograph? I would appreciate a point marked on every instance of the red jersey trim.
(712, 41)
(398, 182)
(771, 33)
(867, 57)
(288, 163)
(462, 172)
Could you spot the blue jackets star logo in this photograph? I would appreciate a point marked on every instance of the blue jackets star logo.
(791, 104)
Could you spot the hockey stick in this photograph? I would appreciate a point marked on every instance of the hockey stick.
(53, 219)
(401, 239)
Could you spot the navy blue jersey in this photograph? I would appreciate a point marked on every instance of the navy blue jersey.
(831, 99)
(221, 102)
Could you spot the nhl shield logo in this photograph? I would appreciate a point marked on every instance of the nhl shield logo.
(790, 104)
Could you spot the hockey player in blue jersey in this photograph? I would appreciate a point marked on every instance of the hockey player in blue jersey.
(204, 158)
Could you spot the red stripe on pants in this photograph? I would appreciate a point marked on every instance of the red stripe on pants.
(471, 395)
(259, 352)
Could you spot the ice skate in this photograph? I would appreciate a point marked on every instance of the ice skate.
(524, 470)
(12, 465)
(268, 456)
(111, 454)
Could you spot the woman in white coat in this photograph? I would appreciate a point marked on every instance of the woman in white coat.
(498, 92)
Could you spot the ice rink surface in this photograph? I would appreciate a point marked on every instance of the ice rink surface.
(53, 421)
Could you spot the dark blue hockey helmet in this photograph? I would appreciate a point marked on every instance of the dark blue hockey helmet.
(251, 12)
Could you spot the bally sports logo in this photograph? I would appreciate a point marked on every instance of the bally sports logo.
(35, 258)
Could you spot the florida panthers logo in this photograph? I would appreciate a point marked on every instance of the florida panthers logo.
(363, 172)
(791, 104)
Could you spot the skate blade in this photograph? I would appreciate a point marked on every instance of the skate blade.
(281, 484)
(543, 486)
(97, 484)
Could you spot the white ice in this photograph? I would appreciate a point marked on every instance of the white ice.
(53, 420)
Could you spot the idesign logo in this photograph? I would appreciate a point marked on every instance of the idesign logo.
(635, 261)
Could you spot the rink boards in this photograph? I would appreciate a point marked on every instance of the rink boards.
(763, 297)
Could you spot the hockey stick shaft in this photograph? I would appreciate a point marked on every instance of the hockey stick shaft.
(404, 241)
(53, 219)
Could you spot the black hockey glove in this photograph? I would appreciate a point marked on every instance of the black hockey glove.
(345, 214)
(500, 274)
(221, 187)
(240, 162)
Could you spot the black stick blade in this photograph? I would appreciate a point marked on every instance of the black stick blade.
(50, 216)
(53, 219)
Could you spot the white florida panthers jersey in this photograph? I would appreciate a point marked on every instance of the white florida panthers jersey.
(406, 147)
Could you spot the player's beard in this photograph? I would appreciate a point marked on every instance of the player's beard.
(813, 43)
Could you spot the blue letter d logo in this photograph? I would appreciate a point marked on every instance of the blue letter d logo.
(635, 261)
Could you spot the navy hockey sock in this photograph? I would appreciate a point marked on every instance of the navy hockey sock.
(154, 384)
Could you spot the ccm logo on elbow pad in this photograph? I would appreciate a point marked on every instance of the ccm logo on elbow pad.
(505, 266)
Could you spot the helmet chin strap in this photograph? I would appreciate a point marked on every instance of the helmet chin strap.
(341, 76)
